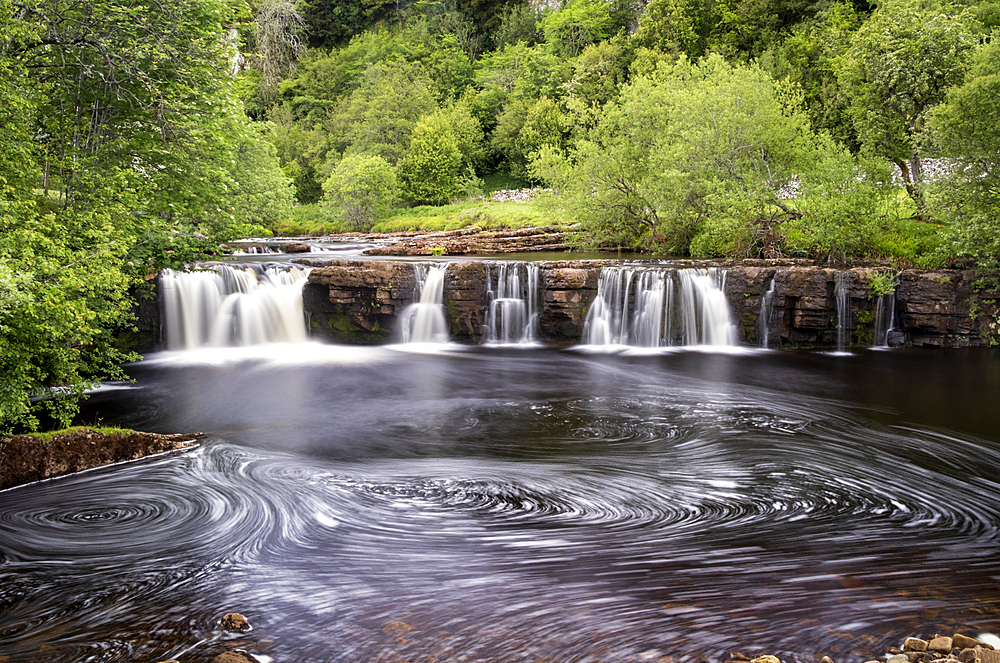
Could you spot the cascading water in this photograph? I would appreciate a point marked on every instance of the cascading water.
(233, 306)
(765, 320)
(885, 317)
(423, 320)
(636, 306)
(512, 302)
(840, 287)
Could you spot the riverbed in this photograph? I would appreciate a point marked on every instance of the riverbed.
(454, 503)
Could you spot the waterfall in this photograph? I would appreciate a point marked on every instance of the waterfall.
(765, 320)
(840, 286)
(635, 306)
(885, 318)
(423, 320)
(512, 302)
(233, 306)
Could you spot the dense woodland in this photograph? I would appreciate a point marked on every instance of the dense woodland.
(137, 135)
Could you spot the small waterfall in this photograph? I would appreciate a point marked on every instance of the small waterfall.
(636, 306)
(840, 287)
(765, 320)
(885, 316)
(423, 320)
(512, 302)
(233, 306)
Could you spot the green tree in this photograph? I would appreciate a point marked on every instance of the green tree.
(125, 114)
(966, 129)
(379, 115)
(432, 168)
(578, 24)
(361, 189)
(900, 64)
(693, 160)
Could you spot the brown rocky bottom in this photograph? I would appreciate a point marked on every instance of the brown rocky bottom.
(27, 458)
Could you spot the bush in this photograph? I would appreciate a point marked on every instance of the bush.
(361, 189)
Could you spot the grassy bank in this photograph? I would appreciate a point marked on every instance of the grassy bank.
(313, 220)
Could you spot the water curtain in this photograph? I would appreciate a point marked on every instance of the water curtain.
(423, 321)
(512, 302)
(841, 283)
(229, 305)
(765, 320)
(654, 307)
(885, 316)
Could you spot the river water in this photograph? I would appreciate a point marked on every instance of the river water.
(492, 504)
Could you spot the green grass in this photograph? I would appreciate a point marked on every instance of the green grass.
(312, 220)
(101, 430)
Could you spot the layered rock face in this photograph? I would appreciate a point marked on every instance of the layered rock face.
(357, 301)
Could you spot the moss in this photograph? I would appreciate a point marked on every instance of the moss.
(100, 430)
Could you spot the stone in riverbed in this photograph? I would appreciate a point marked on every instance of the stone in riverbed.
(234, 622)
(915, 644)
(940, 643)
(767, 658)
(234, 657)
(964, 642)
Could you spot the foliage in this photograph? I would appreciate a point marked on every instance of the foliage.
(576, 25)
(900, 64)
(966, 128)
(361, 189)
(692, 160)
(846, 205)
(881, 284)
(431, 170)
(378, 116)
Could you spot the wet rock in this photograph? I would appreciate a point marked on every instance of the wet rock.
(295, 247)
(234, 657)
(969, 655)
(898, 658)
(940, 643)
(234, 622)
(964, 642)
(826, 659)
(767, 658)
(915, 644)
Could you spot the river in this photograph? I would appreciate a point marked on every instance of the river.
(448, 503)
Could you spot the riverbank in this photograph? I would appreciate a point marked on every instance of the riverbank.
(29, 458)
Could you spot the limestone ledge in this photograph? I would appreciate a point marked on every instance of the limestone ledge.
(357, 301)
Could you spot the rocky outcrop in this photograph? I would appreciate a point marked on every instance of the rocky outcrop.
(28, 458)
(357, 301)
(475, 241)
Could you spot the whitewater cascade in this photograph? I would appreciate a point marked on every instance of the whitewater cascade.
(840, 285)
(423, 320)
(765, 320)
(512, 303)
(885, 317)
(654, 307)
(233, 305)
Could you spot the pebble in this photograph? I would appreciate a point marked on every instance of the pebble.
(915, 644)
(940, 643)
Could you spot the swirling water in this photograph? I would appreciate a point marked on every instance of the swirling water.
(369, 504)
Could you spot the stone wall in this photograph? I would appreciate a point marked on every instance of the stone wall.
(357, 301)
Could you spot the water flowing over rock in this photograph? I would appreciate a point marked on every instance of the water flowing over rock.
(233, 306)
(756, 303)
(637, 306)
(512, 303)
(423, 321)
